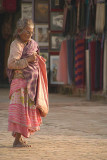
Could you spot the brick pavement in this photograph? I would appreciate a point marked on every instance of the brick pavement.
(74, 129)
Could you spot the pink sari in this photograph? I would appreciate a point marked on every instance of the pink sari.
(24, 117)
(27, 95)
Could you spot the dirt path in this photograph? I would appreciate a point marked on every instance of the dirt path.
(73, 130)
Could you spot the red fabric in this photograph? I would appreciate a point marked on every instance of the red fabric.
(42, 91)
(9, 5)
(80, 63)
(23, 116)
(23, 120)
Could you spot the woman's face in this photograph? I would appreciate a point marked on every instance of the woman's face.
(26, 34)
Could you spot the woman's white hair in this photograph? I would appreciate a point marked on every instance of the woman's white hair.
(21, 24)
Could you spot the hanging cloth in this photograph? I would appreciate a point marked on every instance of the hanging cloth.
(92, 46)
(70, 60)
(80, 63)
(62, 73)
(92, 18)
(82, 16)
(105, 68)
(97, 65)
(67, 24)
(78, 13)
(100, 17)
(106, 19)
(101, 64)
(73, 20)
(65, 16)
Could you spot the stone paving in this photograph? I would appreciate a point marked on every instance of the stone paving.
(74, 129)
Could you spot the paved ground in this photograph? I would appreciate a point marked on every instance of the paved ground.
(74, 129)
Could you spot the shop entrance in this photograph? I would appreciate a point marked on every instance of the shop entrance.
(8, 21)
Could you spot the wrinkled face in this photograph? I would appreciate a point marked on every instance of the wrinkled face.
(26, 34)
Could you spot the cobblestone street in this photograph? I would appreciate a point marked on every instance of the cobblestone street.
(74, 129)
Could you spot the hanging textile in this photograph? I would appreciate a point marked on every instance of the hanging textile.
(106, 19)
(64, 19)
(92, 47)
(82, 16)
(105, 68)
(101, 64)
(73, 20)
(87, 16)
(62, 73)
(97, 65)
(80, 63)
(100, 16)
(92, 18)
(70, 60)
(67, 24)
(78, 11)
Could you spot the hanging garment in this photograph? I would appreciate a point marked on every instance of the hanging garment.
(105, 68)
(92, 46)
(80, 63)
(100, 17)
(62, 73)
(73, 20)
(82, 16)
(78, 15)
(101, 65)
(92, 19)
(67, 24)
(97, 65)
(70, 60)
(65, 16)
(106, 19)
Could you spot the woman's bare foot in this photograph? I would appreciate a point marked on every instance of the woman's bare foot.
(22, 140)
(20, 144)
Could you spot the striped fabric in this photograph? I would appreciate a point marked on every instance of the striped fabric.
(80, 63)
(24, 117)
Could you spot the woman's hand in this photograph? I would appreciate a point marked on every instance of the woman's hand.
(31, 58)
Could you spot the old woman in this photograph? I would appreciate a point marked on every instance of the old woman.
(25, 72)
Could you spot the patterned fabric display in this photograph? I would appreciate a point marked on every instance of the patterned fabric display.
(80, 62)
